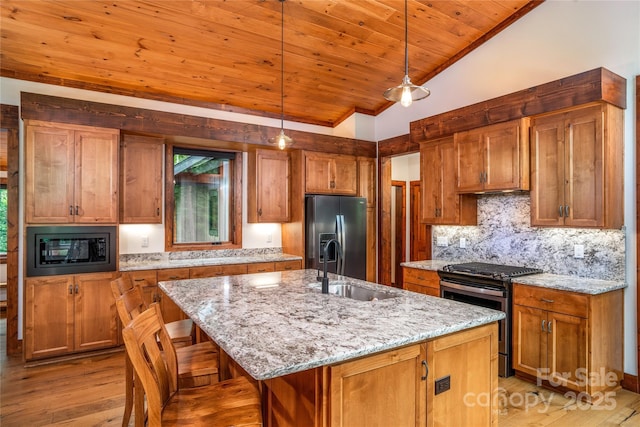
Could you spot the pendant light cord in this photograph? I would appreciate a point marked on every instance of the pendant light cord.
(406, 40)
(282, 69)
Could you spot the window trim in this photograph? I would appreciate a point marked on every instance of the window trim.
(235, 234)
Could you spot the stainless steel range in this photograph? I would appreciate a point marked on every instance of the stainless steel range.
(486, 285)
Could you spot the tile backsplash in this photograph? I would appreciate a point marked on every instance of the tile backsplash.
(504, 236)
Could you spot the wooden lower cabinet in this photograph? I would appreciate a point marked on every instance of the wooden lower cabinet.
(170, 310)
(287, 265)
(422, 281)
(568, 340)
(396, 387)
(67, 314)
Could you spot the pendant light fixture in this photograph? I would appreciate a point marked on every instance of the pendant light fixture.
(282, 140)
(406, 92)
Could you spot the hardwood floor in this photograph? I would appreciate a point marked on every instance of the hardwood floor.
(90, 392)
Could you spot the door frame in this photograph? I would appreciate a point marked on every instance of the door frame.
(401, 228)
(634, 384)
(9, 119)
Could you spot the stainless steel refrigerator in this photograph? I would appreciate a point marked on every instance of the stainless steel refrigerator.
(342, 218)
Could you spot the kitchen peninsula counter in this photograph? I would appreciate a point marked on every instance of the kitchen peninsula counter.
(160, 261)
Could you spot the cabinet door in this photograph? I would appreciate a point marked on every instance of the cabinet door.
(95, 323)
(318, 173)
(96, 176)
(260, 267)
(469, 161)
(141, 180)
(147, 280)
(529, 340)
(502, 158)
(387, 389)
(567, 357)
(431, 183)
(49, 175)
(268, 186)
(49, 316)
(584, 168)
(547, 171)
(345, 175)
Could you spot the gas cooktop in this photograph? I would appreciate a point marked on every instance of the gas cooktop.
(496, 271)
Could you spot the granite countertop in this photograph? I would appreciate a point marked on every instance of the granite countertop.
(157, 264)
(545, 280)
(273, 324)
(571, 283)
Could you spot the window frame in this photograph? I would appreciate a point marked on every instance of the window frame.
(235, 216)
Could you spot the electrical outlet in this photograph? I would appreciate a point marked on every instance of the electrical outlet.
(463, 242)
(442, 241)
(578, 251)
(144, 241)
(269, 238)
(443, 384)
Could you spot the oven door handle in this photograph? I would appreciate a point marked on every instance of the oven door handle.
(473, 289)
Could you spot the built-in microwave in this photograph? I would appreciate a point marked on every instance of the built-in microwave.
(55, 250)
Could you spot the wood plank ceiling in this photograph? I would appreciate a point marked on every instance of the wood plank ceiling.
(339, 55)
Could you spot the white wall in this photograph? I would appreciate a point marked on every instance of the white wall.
(555, 40)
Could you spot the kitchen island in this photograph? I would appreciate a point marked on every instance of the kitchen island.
(327, 360)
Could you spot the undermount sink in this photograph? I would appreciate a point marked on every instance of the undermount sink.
(348, 290)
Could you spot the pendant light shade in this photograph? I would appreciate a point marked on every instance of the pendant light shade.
(406, 92)
(282, 140)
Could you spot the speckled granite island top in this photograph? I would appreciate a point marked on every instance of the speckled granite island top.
(274, 324)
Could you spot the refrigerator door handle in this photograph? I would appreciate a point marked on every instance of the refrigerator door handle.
(341, 240)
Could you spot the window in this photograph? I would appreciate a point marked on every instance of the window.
(204, 197)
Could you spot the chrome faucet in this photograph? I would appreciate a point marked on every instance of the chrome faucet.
(340, 265)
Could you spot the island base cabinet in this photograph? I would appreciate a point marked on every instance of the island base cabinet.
(386, 389)
(395, 388)
(468, 362)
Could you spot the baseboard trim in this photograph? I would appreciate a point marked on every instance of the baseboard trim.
(630, 382)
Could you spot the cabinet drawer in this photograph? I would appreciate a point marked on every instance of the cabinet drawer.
(426, 290)
(218, 270)
(570, 303)
(260, 267)
(421, 277)
(288, 265)
(173, 274)
(143, 278)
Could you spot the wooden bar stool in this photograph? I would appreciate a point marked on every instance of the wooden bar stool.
(234, 402)
(197, 364)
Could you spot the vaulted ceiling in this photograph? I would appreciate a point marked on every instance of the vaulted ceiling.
(339, 55)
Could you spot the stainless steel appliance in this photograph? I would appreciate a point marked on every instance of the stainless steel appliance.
(486, 285)
(342, 218)
(70, 250)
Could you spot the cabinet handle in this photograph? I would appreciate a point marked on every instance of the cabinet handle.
(138, 280)
(484, 178)
(549, 326)
(173, 277)
(550, 301)
(544, 322)
(480, 177)
(426, 370)
(77, 209)
(158, 211)
(260, 212)
(70, 289)
(77, 289)
(566, 211)
(560, 211)
(70, 210)
(332, 184)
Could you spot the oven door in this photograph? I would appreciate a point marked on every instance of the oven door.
(490, 298)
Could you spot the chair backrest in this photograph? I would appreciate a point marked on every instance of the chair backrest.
(120, 285)
(130, 305)
(145, 337)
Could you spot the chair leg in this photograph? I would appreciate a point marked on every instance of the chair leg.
(140, 413)
(128, 403)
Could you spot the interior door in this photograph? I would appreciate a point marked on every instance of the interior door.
(420, 234)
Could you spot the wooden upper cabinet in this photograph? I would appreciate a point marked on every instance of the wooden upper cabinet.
(72, 174)
(331, 174)
(493, 158)
(268, 186)
(141, 180)
(440, 202)
(577, 162)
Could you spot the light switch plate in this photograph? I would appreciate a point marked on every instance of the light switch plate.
(463, 242)
(578, 251)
